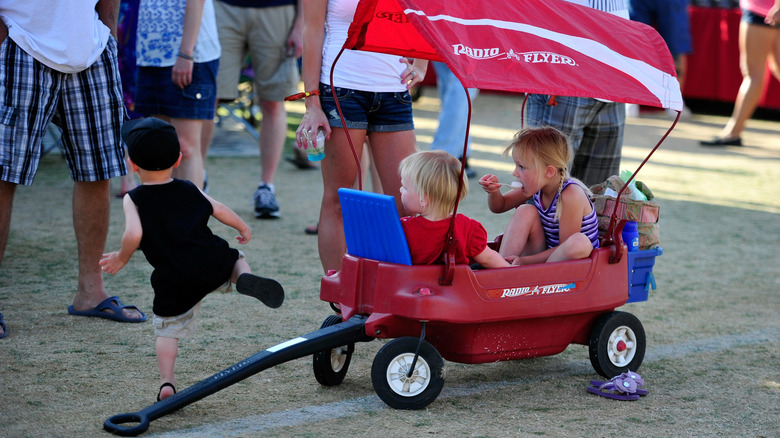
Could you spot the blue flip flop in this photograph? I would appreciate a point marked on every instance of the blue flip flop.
(115, 311)
(2, 324)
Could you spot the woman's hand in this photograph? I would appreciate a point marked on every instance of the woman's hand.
(312, 120)
(773, 15)
(411, 75)
(181, 73)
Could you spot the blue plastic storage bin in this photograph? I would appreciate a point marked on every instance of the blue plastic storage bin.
(640, 273)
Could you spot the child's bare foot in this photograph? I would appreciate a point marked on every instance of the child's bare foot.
(166, 390)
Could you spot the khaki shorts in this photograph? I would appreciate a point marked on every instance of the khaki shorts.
(262, 34)
(181, 326)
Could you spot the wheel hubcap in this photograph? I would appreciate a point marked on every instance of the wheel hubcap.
(621, 346)
(404, 384)
(338, 358)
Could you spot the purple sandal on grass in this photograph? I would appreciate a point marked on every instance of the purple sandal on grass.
(622, 387)
(629, 374)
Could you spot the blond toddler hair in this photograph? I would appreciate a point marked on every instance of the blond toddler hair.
(435, 174)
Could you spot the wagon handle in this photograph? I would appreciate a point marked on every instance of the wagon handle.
(114, 424)
(613, 232)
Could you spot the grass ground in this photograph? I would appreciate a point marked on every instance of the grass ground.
(712, 329)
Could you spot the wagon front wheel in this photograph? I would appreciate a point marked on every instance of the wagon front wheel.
(617, 344)
(330, 366)
(396, 385)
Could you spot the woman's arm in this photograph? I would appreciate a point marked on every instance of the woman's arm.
(182, 68)
(314, 35)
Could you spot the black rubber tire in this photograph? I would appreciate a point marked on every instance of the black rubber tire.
(330, 366)
(609, 330)
(388, 374)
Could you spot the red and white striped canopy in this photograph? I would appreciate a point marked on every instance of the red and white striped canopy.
(534, 46)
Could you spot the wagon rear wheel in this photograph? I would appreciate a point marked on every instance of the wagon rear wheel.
(391, 379)
(330, 366)
(617, 344)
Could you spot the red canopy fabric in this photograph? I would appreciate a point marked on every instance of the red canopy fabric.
(534, 46)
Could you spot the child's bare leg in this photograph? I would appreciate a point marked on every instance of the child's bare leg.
(577, 246)
(241, 267)
(269, 291)
(167, 349)
(523, 234)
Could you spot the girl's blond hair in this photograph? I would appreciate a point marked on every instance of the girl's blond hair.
(546, 146)
(435, 174)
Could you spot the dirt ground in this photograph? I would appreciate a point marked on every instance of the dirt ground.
(713, 332)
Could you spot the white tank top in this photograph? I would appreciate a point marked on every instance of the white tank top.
(355, 69)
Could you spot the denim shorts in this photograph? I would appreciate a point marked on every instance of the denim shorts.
(374, 112)
(753, 18)
(156, 94)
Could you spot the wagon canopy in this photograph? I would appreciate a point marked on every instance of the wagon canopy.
(534, 46)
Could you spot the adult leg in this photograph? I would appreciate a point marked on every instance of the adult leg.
(774, 55)
(6, 204)
(191, 167)
(273, 133)
(453, 115)
(206, 136)
(90, 222)
(387, 151)
(338, 170)
(755, 44)
(7, 191)
(599, 152)
(167, 349)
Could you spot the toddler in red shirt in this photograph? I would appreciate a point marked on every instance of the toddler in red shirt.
(429, 190)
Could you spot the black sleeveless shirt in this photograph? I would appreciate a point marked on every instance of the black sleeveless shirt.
(189, 260)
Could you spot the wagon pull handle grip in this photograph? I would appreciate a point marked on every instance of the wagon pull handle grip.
(114, 424)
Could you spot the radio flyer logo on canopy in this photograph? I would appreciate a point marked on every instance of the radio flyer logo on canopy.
(533, 290)
(396, 17)
(529, 57)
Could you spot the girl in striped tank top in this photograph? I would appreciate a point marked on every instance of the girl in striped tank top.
(561, 223)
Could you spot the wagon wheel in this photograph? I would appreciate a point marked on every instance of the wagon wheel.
(390, 370)
(330, 366)
(617, 344)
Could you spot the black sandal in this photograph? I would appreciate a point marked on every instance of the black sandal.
(163, 386)
(312, 230)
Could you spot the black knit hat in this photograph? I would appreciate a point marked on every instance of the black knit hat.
(151, 143)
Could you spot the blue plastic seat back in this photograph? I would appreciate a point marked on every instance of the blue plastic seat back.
(372, 228)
